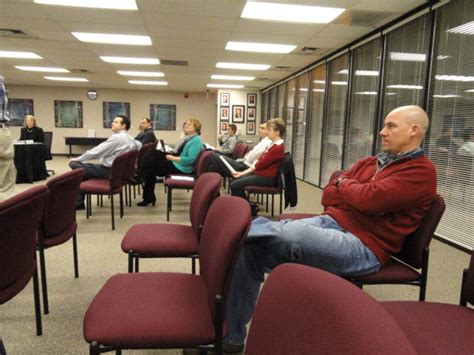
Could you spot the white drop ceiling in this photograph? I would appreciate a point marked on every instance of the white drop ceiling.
(195, 31)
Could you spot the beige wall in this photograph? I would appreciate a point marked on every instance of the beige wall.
(200, 105)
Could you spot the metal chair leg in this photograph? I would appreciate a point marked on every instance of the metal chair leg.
(44, 285)
(36, 294)
(74, 251)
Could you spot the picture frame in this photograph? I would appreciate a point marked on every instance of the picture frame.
(251, 100)
(238, 113)
(163, 117)
(110, 110)
(251, 128)
(224, 114)
(225, 99)
(18, 109)
(223, 127)
(251, 113)
(68, 114)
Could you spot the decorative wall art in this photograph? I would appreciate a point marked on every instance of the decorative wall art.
(17, 110)
(68, 114)
(163, 117)
(112, 110)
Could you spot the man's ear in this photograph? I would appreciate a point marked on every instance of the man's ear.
(415, 130)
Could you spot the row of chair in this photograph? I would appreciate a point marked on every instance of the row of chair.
(29, 222)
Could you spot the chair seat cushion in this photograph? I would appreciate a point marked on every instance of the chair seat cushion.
(263, 189)
(435, 328)
(179, 184)
(61, 237)
(159, 239)
(98, 186)
(150, 310)
(392, 272)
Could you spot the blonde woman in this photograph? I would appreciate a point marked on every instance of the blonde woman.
(31, 131)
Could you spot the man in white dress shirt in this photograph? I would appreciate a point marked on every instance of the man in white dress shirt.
(118, 143)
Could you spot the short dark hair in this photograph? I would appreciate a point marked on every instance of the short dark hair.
(125, 121)
(146, 119)
(278, 125)
(233, 127)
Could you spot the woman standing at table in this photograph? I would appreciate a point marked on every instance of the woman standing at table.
(31, 131)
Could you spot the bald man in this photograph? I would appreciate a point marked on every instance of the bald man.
(369, 210)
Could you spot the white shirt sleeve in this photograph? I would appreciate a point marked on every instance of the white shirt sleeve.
(252, 156)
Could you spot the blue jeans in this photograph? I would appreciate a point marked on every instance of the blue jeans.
(317, 241)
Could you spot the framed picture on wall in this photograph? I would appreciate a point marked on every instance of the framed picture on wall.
(224, 113)
(224, 126)
(68, 114)
(112, 110)
(251, 100)
(225, 99)
(163, 117)
(18, 109)
(238, 113)
(250, 128)
(251, 113)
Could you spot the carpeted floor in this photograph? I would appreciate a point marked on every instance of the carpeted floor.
(100, 257)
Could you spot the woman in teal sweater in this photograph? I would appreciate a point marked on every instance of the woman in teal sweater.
(183, 163)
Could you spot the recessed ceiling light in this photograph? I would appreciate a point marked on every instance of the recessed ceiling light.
(465, 29)
(449, 96)
(470, 90)
(155, 74)
(441, 57)
(232, 77)
(132, 40)
(318, 90)
(290, 13)
(115, 5)
(412, 87)
(42, 69)
(366, 93)
(146, 82)
(58, 78)
(129, 60)
(454, 78)
(339, 83)
(242, 66)
(319, 82)
(23, 55)
(409, 57)
(225, 86)
(360, 72)
(259, 47)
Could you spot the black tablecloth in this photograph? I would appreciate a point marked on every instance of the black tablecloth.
(29, 162)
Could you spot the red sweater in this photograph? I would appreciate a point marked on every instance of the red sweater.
(269, 162)
(382, 208)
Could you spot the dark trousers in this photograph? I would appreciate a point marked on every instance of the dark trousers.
(237, 186)
(155, 165)
(216, 165)
(91, 171)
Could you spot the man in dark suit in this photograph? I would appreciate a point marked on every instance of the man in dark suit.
(146, 134)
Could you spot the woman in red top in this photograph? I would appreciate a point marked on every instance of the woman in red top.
(264, 171)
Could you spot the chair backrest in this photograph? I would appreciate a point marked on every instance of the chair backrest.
(117, 171)
(305, 310)
(199, 164)
(144, 151)
(20, 216)
(225, 228)
(60, 211)
(129, 170)
(206, 190)
(48, 141)
(240, 150)
(467, 292)
(414, 244)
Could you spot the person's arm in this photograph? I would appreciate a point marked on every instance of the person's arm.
(230, 146)
(256, 151)
(245, 172)
(274, 154)
(189, 154)
(23, 134)
(99, 151)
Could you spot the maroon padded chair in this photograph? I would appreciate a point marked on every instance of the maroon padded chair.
(439, 328)
(173, 310)
(20, 217)
(128, 173)
(240, 150)
(304, 310)
(164, 240)
(175, 183)
(111, 186)
(59, 221)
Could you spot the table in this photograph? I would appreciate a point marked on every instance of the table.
(90, 141)
(29, 162)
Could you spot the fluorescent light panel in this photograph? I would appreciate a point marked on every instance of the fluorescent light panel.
(400, 86)
(454, 78)
(42, 69)
(341, 83)
(322, 82)
(23, 55)
(130, 60)
(289, 13)
(58, 78)
(232, 77)
(465, 29)
(132, 40)
(409, 57)
(372, 93)
(318, 90)
(259, 47)
(115, 4)
(225, 86)
(146, 82)
(470, 90)
(155, 74)
(449, 96)
(242, 66)
(360, 72)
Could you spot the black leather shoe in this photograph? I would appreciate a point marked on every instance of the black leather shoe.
(145, 203)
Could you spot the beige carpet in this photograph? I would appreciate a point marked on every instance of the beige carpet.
(100, 257)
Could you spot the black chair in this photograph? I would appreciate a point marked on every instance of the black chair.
(48, 141)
